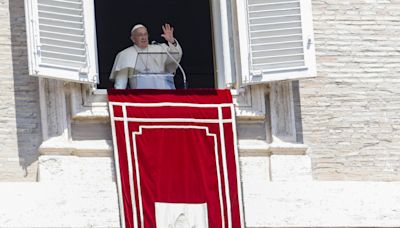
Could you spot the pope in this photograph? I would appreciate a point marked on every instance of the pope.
(147, 66)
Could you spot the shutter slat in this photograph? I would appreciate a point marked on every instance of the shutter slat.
(263, 2)
(60, 16)
(274, 6)
(276, 59)
(266, 15)
(284, 66)
(281, 11)
(253, 2)
(54, 62)
(275, 33)
(288, 30)
(67, 50)
(62, 43)
(276, 46)
(273, 39)
(280, 63)
(277, 42)
(61, 55)
(271, 17)
(59, 3)
(275, 26)
(265, 51)
(279, 55)
(61, 23)
(261, 20)
(62, 9)
(277, 19)
(62, 30)
(62, 36)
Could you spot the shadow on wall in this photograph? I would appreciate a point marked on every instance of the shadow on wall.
(297, 111)
(26, 94)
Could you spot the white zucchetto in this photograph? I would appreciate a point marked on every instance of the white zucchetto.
(136, 27)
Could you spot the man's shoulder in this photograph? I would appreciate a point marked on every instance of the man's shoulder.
(127, 50)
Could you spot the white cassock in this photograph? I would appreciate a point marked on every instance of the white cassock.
(148, 68)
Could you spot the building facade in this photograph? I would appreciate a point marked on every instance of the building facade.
(314, 145)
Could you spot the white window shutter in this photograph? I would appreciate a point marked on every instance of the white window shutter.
(276, 40)
(61, 39)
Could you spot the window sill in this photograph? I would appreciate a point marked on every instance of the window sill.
(94, 106)
(262, 148)
(86, 148)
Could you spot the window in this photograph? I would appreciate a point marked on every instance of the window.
(192, 28)
(62, 37)
(276, 40)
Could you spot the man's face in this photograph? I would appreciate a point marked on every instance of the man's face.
(140, 37)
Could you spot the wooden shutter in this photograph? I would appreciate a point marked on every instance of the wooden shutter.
(61, 39)
(277, 42)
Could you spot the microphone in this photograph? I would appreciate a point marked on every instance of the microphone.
(175, 61)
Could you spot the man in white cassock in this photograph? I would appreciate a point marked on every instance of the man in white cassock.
(147, 66)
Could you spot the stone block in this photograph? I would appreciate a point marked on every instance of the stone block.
(74, 169)
(254, 169)
(291, 168)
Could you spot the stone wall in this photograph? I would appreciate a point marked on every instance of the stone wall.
(20, 131)
(80, 192)
(351, 111)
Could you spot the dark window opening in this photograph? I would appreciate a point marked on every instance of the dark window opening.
(192, 28)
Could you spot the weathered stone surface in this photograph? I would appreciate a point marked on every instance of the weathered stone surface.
(350, 112)
(266, 204)
(20, 133)
(58, 205)
(76, 170)
(255, 168)
(291, 168)
(322, 204)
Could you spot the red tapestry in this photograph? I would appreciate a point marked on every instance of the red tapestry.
(176, 158)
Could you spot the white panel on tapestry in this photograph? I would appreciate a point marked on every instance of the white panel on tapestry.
(181, 215)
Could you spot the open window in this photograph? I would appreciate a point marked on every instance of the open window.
(192, 28)
(61, 40)
(276, 40)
